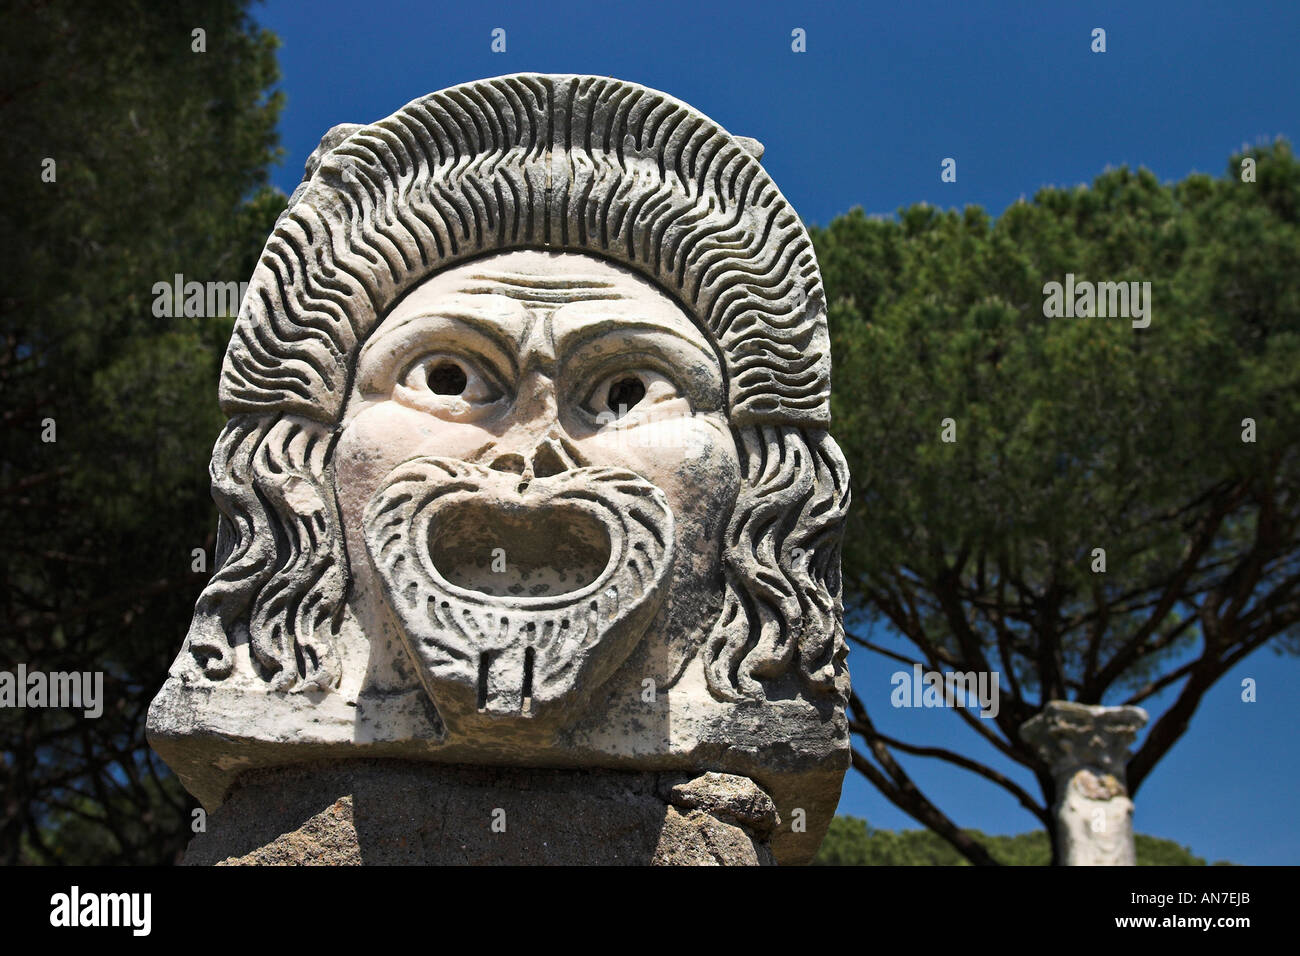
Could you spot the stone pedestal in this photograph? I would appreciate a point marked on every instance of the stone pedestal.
(374, 812)
(1087, 749)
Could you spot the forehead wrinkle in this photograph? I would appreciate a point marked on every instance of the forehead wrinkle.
(534, 280)
(543, 291)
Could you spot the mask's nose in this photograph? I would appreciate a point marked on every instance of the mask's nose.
(535, 446)
(550, 456)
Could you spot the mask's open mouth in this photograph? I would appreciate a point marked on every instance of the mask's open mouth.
(505, 547)
(514, 599)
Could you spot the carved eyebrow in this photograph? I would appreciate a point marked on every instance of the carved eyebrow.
(568, 340)
(462, 314)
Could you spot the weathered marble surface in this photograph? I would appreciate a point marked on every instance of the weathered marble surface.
(527, 463)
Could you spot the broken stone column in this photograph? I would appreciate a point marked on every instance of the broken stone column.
(1086, 748)
(528, 547)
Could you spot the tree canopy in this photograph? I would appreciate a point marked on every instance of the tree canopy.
(131, 156)
(1117, 510)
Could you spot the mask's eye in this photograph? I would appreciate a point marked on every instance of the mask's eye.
(446, 378)
(445, 384)
(618, 394)
(624, 392)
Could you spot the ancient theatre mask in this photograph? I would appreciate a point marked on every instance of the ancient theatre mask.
(537, 461)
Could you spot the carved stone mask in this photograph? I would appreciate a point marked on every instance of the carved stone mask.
(535, 452)
(527, 460)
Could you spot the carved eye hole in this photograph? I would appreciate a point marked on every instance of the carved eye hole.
(435, 382)
(624, 393)
(447, 378)
(649, 392)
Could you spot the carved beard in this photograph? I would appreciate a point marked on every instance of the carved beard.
(518, 597)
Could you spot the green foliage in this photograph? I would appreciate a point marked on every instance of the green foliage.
(1073, 434)
(851, 841)
(161, 156)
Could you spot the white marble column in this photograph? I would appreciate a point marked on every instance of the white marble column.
(1086, 747)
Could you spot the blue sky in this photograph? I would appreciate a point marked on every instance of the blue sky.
(884, 93)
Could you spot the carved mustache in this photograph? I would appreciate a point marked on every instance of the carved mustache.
(514, 597)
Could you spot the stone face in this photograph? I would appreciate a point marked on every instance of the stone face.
(527, 466)
(1086, 747)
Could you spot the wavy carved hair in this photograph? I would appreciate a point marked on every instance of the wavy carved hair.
(587, 164)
